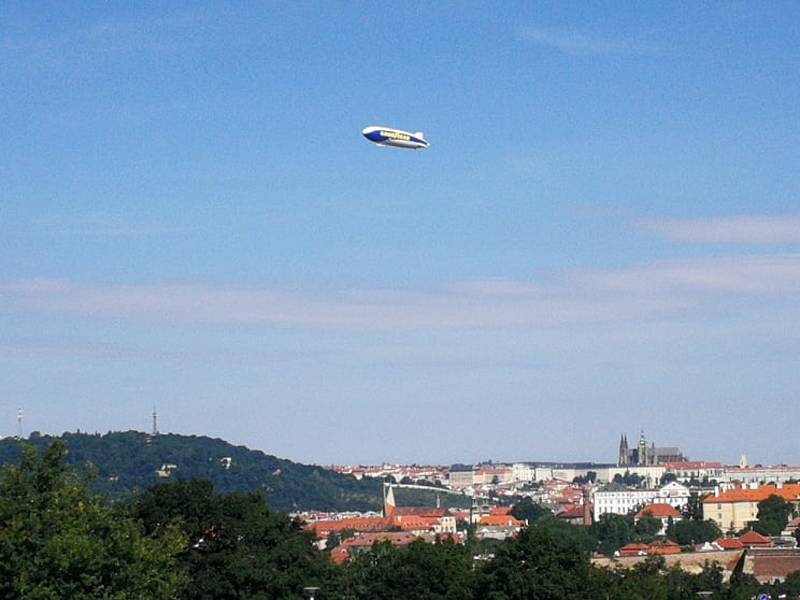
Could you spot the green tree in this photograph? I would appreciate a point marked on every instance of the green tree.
(773, 514)
(612, 532)
(334, 539)
(590, 477)
(693, 532)
(791, 587)
(630, 479)
(694, 508)
(545, 561)
(644, 581)
(58, 541)
(647, 528)
(530, 511)
(710, 578)
(743, 586)
(668, 477)
(441, 571)
(239, 548)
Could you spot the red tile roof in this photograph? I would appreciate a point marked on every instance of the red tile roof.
(339, 555)
(501, 521)
(693, 464)
(414, 523)
(573, 512)
(661, 547)
(633, 549)
(500, 510)
(664, 547)
(365, 540)
(729, 543)
(769, 567)
(753, 539)
(419, 511)
(787, 492)
(323, 528)
(658, 511)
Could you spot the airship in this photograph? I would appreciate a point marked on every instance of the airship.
(388, 136)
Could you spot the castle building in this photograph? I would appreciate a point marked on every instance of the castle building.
(644, 455)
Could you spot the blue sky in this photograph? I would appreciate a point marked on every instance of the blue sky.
(603, 236)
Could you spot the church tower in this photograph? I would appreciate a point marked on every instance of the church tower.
(642, 458)
(624, 455)
(388, 501)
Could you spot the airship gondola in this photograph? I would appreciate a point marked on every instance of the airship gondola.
(397, 138)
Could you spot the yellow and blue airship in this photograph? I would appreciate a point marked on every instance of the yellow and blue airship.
(397, 138)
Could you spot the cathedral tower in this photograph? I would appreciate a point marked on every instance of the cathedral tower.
(624, 454)
(642, 458)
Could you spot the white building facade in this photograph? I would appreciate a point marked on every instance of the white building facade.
(623, 502)
(522, 472)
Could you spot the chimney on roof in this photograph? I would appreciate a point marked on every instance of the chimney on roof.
(716, 491)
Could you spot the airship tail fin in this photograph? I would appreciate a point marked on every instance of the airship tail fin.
(420, 135)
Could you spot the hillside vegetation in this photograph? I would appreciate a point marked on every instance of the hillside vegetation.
(128, 462)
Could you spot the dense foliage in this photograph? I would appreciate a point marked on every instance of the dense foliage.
(691, 532)
(238, 546)
(614, 531)
(629, 479)
(773, 514)
(546, 561)
(529, 511)
(58, 541)
(126, 462)
(425, 571)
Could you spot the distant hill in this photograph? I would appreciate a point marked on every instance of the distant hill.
(131, 461)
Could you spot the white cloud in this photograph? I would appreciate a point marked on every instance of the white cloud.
(646, 292)
(741, 275)
(736, 229)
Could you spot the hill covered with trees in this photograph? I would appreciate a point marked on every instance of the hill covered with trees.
(123, 463)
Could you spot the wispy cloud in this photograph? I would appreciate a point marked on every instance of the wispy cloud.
(737, 229)
(656, 291)
(694, 279)
(110, 351)
(576, 42)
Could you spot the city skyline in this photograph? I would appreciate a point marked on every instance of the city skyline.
(23, 433)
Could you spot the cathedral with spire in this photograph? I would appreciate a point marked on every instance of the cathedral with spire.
(644, 455)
